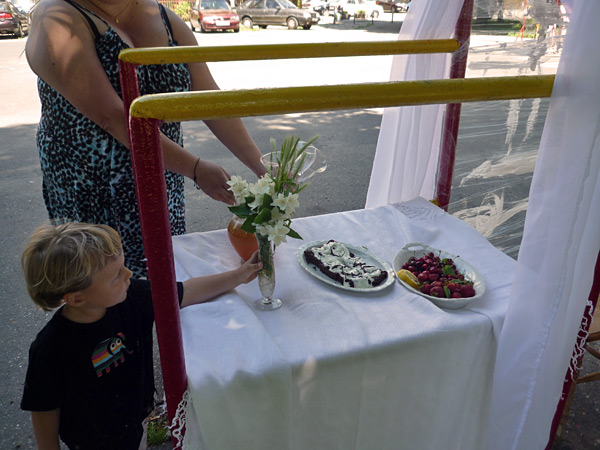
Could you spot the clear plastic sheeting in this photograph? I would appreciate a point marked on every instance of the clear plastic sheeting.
(498, 141)
(495, 158)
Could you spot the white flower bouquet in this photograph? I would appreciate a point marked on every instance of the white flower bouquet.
(268, 205)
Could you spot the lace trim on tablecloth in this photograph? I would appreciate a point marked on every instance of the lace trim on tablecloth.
(581, 340)
(178, 423)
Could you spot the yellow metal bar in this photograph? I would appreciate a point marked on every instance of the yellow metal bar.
(185, 54)
(205, 105)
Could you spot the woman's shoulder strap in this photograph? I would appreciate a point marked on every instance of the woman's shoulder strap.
(167, 22)
(85, 13)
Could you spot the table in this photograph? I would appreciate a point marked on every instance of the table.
(334, 369)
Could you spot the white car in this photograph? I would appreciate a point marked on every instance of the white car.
(320, 6)
(352, 8)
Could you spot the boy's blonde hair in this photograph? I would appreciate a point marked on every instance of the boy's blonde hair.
(64, 258)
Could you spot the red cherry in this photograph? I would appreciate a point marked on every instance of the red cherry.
(437, 291)
(467, 290)
(423, 277)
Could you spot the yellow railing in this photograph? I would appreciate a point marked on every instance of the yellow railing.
(205, 105)
(173, 55)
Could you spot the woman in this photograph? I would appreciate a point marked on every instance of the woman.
(82, 137)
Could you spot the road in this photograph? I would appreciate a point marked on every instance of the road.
(348, 138)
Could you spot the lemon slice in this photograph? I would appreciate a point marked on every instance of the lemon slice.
(408, 277)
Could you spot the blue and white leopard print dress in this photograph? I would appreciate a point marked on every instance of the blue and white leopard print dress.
(87, 174)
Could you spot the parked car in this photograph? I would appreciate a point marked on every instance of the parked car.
(318, 6)
(352, 8)
(213, 15)
(275, 12)
(393, 5)
(13, 20)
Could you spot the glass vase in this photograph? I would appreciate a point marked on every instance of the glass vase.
(242, 241)
(266, 276)
(314, 162)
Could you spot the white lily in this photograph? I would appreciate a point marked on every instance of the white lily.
(264, 185)
(281, 201)
(257, 202)
(277, 233)
(292, 204)
(239, 187)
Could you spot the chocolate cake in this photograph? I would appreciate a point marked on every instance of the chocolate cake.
(337, 262)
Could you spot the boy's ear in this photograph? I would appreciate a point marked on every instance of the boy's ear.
(74, 298)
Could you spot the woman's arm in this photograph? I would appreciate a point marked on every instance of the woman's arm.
(200, 289)
(231, 132)
(45, 427)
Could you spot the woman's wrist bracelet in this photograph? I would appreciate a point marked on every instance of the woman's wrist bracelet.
(195, 167)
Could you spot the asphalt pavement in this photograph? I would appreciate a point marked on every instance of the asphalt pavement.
(347, 137)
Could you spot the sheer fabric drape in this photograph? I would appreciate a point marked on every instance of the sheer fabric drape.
(558, 253)
(561, 240)
(406, 158)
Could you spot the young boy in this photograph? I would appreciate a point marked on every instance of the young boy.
(90, 377)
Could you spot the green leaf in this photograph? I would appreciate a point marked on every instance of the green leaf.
(293, 234)
(267, 200)
(448, 270)
(248, 224)
(241, 210)
(447, 292)
(263, 216)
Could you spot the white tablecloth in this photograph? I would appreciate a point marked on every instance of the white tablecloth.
(334, 369)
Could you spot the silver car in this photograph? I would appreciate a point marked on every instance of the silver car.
(13, 20)
(275, 12)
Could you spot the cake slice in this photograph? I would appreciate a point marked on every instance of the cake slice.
(337, 262)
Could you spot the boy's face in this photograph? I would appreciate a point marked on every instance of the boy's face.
(109, 285)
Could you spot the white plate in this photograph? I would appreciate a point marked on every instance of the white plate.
(361, 252)
(417, 250)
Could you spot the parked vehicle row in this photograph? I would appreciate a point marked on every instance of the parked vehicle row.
(13, 20)
(217, 15)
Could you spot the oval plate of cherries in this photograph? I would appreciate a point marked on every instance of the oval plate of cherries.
(445, 279)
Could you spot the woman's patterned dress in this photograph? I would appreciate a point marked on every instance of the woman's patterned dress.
(87, 174)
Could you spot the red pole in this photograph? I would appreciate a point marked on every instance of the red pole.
(458, 68)
(129, 85)
(149, 173)
(581, 337)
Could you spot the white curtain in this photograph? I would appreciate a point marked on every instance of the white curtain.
(561, 238)
(558, 253)
(406, 158)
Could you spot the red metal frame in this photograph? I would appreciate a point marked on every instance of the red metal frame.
(585, 325)
(149, 175)
(452, 118)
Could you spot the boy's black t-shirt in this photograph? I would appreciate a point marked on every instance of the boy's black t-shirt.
(100, 375)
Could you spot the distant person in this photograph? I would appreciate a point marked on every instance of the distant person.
(90, 376)
(82, 136)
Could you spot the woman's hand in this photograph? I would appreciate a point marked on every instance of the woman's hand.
(212, 179)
